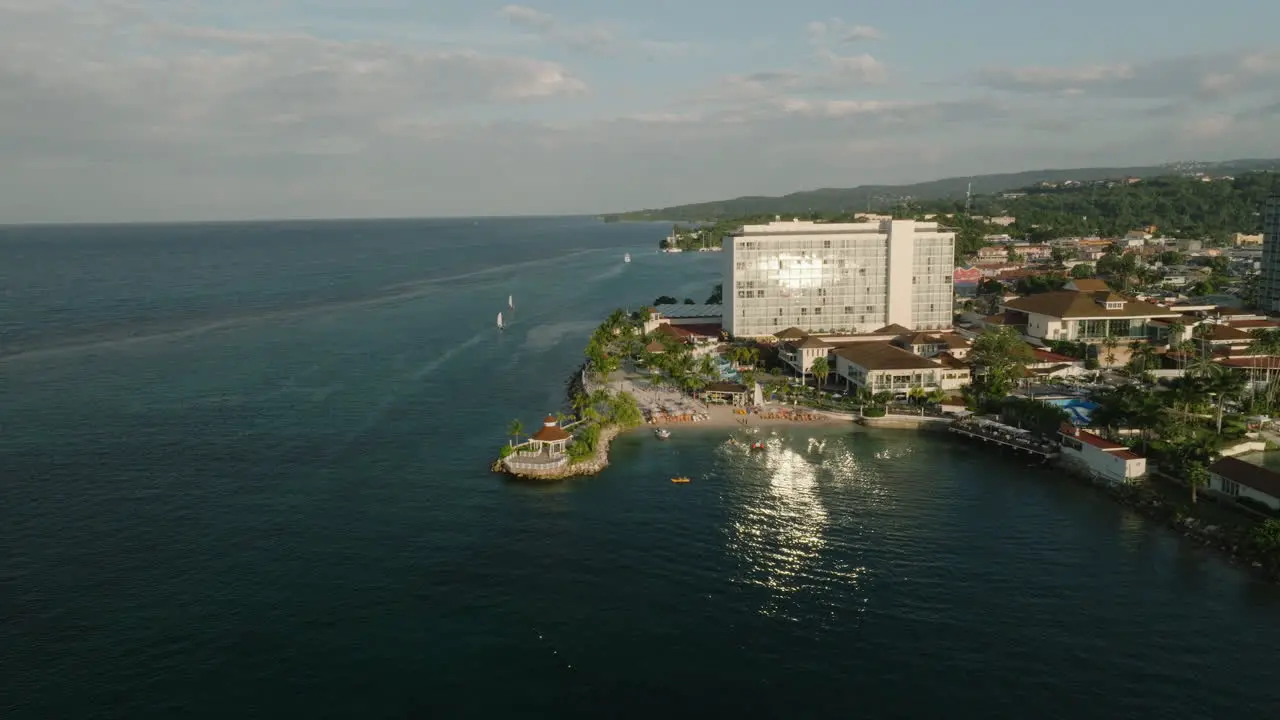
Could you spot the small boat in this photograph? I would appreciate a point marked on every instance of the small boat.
(662, 433)
(501, 325)
(511, 304)
(680, 480)
(626, 258)
(757, 445)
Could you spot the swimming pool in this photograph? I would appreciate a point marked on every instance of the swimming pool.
(727, 372)
(1079, 410)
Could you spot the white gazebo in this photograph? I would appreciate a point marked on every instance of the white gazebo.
(551, 438)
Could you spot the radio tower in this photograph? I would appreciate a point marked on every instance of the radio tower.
(968, 197)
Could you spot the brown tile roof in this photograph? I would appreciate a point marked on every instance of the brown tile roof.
(1069, 304)
(894, 329)
(791, 333)
(711, 330)
(884, 356)
(1091, 285)
(1046, 356)
(1089, 438)
(550, 431)
(1223, 332)
(1268, 362)
(813, 342)
(1127, 454)
(951, 361)
(655, 347)
(1249, 475)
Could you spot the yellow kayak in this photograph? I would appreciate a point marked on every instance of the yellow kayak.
(680, 480)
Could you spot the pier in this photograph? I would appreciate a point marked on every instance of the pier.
(1011, 437)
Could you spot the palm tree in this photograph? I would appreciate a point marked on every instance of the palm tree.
(515, 430)
(1223, 384)
(916, 394)
(820, 369)
(1176, 328)
(1109, 343)
(936, 396)
(1141, 356)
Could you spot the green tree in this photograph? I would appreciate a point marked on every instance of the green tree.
(717, 295)
(1082, 271)
(515, 430)
(820, 369)
(1003, 356)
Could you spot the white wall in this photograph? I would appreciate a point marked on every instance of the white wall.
(1218, 483)
(1107, 464)
(901, 264)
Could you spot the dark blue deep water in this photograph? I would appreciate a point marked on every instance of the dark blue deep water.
(244, 475)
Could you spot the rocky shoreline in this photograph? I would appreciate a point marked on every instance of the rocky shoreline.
(1148, 503)
(593, 465)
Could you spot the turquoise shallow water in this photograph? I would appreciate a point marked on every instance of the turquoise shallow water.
(245, 475)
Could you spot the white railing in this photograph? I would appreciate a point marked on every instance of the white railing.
(514, 463)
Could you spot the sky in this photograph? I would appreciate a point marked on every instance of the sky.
(159, 110)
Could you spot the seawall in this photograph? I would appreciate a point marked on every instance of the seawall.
(906, 422)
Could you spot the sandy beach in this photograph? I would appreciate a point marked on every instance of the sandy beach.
(668, 407)
(724, 417)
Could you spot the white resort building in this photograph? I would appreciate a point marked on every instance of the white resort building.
(838, 277)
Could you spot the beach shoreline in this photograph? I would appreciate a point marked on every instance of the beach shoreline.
(724, 417)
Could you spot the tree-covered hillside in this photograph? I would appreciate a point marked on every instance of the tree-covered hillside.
(882, 198)
(1176, 206)
(1180, 207)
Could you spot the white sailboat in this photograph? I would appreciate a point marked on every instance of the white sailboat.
(501, 326)
(511, 304)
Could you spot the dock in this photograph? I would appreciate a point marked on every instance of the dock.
(1005, 435)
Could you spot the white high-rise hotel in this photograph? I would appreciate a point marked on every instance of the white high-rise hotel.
(838, 277)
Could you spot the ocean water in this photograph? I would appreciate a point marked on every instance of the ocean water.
(244, 473)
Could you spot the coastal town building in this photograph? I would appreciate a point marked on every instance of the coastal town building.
(1269, 280)
(1237, 480)
(1100, 457)
(544, 452)
(886, 367)
(1084, 316)
(550, 438)
(837, 277)
(726, 393)
(799, 349)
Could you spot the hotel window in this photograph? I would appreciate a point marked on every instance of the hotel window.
(817, 311)
(1230, 488)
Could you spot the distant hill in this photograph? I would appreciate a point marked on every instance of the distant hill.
(881, 197)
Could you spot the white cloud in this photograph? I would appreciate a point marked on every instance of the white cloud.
(1204, 76)
(838, 31)
(167, 88)
(130, 109)
(858, 69)
(594, 37)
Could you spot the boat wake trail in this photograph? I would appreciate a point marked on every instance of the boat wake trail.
(376, 416)
(402, 292)
(448, 355)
